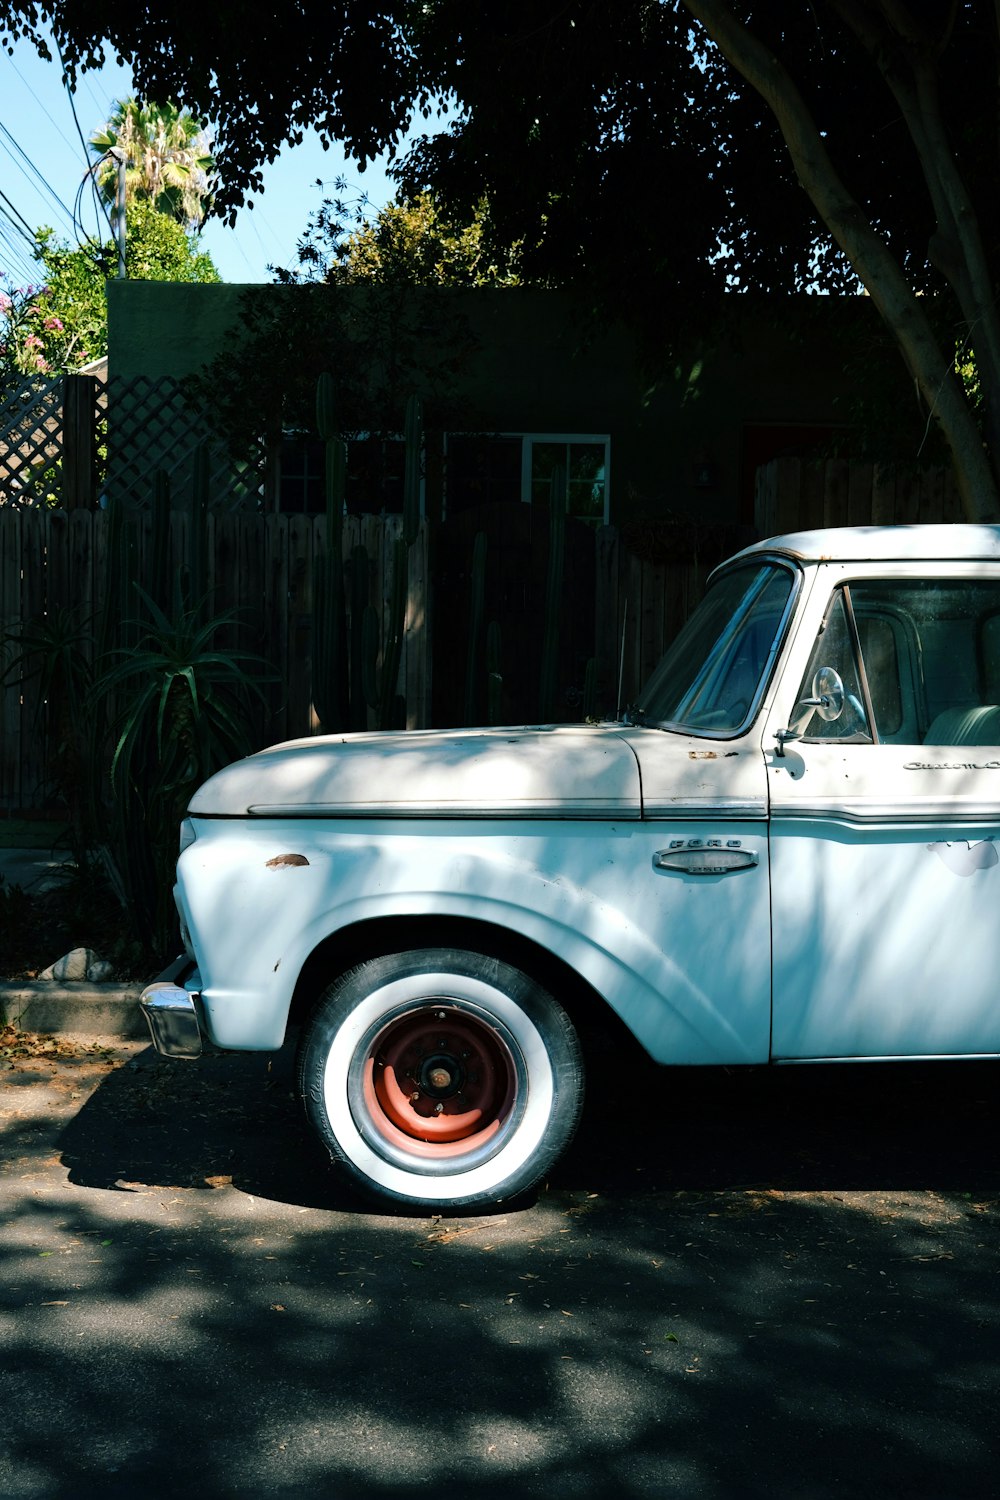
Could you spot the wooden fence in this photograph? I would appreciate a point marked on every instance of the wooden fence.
(260, 566)
(792, 495)
(617, 608)
(624, 597)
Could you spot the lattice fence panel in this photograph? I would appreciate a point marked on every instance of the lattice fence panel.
(31, 441)
(152, 426)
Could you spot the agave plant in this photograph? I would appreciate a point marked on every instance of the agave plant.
(180, 711)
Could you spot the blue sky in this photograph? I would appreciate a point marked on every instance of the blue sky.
(42, 163)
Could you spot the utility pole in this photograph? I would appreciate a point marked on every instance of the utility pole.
(122, 160)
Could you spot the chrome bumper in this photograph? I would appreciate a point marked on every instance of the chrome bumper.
(171, 1016)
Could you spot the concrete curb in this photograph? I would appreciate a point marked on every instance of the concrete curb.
(74, 1009)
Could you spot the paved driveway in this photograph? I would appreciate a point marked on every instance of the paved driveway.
(774, 1284)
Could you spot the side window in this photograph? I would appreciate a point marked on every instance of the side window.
(832, 674)
(906, 662)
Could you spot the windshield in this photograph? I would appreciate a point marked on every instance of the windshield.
(712, 677)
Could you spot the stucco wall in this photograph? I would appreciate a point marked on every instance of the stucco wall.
(676, 447)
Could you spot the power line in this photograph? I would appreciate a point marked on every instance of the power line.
(28, 169)
(20, 223)
(72, 104)
(12, 236)
(41, 106)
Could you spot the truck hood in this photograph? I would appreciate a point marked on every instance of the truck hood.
(587, 771)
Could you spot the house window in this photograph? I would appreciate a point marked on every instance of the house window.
(374, 483)
(483, 468)
(302, 483)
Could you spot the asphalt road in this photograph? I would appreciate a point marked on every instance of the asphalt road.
(779, 1284)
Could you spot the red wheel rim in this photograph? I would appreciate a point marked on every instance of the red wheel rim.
(438, 1082)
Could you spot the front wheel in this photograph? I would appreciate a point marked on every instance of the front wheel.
(441, 1078)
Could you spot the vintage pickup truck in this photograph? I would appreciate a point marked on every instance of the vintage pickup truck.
(784, 852)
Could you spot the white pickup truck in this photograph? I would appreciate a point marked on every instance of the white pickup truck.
(784, 852)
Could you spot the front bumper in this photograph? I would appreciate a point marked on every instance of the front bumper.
(171, 1012)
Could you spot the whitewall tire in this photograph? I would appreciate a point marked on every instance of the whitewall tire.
(441, 1078)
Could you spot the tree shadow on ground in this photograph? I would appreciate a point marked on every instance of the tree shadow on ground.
(815, 1128)
(762, 1285)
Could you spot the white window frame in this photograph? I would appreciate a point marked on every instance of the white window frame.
(567, 438)
(528, 438)
(302, 434)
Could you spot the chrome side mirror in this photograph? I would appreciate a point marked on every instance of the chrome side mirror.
(828, 694)
(828, 698)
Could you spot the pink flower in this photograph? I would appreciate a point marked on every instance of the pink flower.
(54, 325)
(41, 363)
(33, 342)
(5, 302)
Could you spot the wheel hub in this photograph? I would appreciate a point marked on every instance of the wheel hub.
(439, 1080)
(440, 1076)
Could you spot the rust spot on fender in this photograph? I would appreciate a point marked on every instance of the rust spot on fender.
(702, 755)
(285, 861)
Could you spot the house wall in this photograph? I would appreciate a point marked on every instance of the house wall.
(682, 448)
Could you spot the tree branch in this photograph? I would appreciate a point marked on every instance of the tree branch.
(932, 369)
(905, 54)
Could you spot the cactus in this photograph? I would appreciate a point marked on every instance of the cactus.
(476, 607)
(389, 704)
(413, 433)
(160, 572)
(494, 677)
(553, 594)
(392, 654)
(341, 695)
(369, 656)
(196, 574)
(329, 654)
(325, 407)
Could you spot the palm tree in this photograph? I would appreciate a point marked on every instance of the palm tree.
(167, 157)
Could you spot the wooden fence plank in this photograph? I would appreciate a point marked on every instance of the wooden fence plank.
(631, 594)
(606, 620)
(809, 513)
(787, 514)
(32, 727)
(883, 496)
(861, 499)
(10, 618)
(836, 492)
(301, 714)
(276, 631)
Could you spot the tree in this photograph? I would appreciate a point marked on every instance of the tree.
(62, 323)
(411, 243)
(908, 46)
(654, 152)
(168, 161)
(349, 69)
